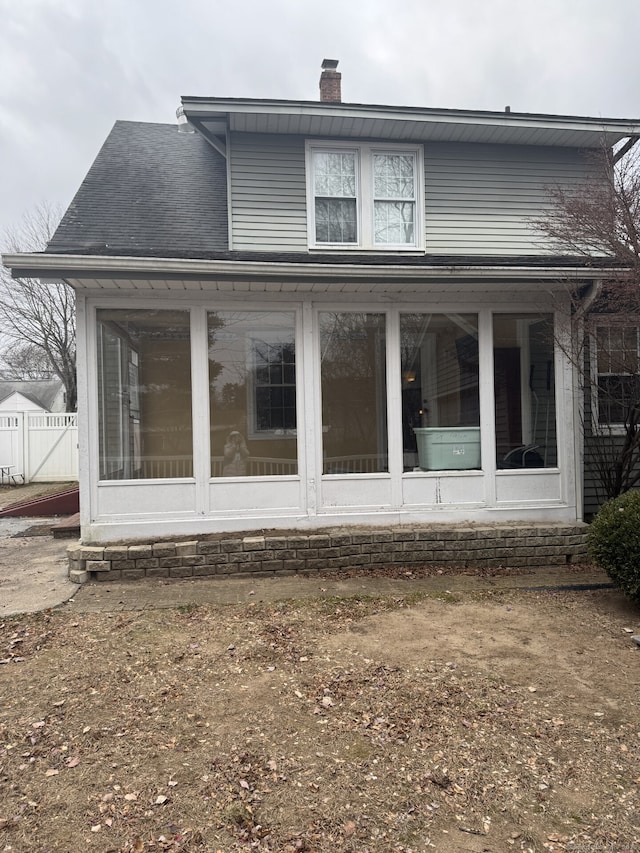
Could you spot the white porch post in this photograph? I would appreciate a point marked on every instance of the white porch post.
(200, 408)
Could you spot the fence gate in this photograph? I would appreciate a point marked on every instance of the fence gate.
(41, 446)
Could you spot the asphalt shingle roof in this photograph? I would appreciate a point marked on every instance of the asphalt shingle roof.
(43, 392)
(151, 191)
(156, 192)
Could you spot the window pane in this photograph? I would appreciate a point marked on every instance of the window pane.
(354, 392)
(252, 393)
(524, 386)
(617, 348)
(440, 391)
(393, 176)
(336, 221)
(618, 399)
(394, 222)
(144, 394)
(334, 173)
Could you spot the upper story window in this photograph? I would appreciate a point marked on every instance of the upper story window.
(616, 354)
(364, 196)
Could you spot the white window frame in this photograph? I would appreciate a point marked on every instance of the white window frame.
(274, 336)
(364, 154)
(598, 322)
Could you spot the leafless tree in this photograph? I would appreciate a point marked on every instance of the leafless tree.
(36, 316)
(24, 361)
(601, 217)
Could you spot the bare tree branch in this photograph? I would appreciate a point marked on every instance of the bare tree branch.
(36, 315)
(601, 217)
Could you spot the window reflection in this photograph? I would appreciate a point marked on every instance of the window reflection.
(524, 387)
(144, 394)
(252, 393)
(440, 391)
(354, 392)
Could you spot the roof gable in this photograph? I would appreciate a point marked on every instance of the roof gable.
(41, 392)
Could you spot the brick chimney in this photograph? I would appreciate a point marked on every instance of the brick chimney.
(330, 90)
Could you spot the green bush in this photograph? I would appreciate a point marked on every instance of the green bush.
(614, 541)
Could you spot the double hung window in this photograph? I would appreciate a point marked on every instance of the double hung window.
(616, 385)
(364, 196)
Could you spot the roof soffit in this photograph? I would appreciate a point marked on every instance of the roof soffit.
(427, 125)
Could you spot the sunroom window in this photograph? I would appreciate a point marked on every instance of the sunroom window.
(252, 393)
(144, 394)
(440, 392)
(524, 391)
(364, 196)
(354, 392)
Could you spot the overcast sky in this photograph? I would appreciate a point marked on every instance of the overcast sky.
(70, 68)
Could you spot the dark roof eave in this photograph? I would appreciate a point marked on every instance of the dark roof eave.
(275, 266)
(347, 258)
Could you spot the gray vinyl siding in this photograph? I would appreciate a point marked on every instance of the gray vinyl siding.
(479, 199)
(483, 199)
(268, 193)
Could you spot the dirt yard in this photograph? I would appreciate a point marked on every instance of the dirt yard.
(507, 721)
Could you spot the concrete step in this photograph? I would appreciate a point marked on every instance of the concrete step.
(68, 528)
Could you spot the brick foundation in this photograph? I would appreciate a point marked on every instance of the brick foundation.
(450, 547)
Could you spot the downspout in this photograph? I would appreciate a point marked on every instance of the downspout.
(582, 310)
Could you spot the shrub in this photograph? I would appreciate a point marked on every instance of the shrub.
(614, 541)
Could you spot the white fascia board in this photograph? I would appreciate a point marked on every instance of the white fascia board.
(97, 266)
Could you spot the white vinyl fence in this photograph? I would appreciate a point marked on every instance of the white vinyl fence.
(42, 447)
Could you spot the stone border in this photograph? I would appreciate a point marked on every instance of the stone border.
(452, 547)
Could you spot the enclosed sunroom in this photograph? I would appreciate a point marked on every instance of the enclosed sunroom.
(226, 405)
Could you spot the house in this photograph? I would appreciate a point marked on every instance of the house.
(302, 314)
(32, 395)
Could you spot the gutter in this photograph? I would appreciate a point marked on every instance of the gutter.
(39, 265)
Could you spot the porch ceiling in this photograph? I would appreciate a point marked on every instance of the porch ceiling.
(441, 285)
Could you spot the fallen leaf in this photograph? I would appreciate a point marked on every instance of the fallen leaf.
(73, 762)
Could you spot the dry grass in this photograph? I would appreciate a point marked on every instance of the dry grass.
(501, 722)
